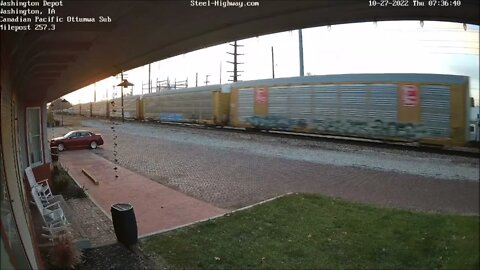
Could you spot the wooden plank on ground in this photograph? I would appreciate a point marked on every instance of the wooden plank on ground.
(90, 177)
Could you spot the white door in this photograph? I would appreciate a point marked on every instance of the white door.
(34, 137)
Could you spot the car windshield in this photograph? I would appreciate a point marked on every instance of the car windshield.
(68, 134)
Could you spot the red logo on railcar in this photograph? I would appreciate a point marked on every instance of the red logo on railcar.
(261, 95)
(410, 95)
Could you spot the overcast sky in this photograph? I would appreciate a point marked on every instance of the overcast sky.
(384, 47)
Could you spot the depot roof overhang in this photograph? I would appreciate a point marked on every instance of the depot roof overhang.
(48, 64)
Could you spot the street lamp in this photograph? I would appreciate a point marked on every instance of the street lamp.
(124, 83)
(63, 101)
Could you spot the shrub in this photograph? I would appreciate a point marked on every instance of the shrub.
(64, 185)
(80, 192)
(61, 181)
(56, 170)
(64, 253)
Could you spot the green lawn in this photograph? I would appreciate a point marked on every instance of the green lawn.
(314, 232)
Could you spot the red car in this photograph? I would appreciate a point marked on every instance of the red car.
(77, 139)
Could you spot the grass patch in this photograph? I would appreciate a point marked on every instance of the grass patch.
(304, 231)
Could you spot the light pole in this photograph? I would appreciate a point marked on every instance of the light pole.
(62, 112)
(124, 83)
(300, 45)
(273, 65)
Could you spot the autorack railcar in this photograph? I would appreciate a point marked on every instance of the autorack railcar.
(131, 107)
(425, 108)
(99, 109)
(203, 105)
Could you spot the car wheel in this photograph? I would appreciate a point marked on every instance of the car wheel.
(60, 147)
(93, 145)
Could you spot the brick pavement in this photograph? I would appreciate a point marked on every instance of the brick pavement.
(232, 179)
(156, 207)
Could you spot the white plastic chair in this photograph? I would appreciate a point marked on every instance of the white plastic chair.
(52, 215)
(41, 187)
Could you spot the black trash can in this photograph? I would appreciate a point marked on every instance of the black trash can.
(124, 223)
(54, 153)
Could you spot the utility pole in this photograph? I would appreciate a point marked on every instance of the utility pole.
(300, 45)
(220, 72)
(206, 79)
(95, 92)
(235, 61)
(196, 79)
(273, 65)
(123, 115)
(149, 80)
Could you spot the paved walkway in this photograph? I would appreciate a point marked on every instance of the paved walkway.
(156, 206)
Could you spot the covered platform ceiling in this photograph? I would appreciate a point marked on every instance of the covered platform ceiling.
(45, 65)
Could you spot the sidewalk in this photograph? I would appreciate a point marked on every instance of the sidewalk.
(157, 207)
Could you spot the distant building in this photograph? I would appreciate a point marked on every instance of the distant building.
(474, 114)
(474, 126)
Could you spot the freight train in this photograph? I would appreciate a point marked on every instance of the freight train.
(424, 108)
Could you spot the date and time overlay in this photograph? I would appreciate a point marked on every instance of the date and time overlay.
(49, 15)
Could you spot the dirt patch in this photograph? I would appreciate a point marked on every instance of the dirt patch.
(115, 256)
(110, 257)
